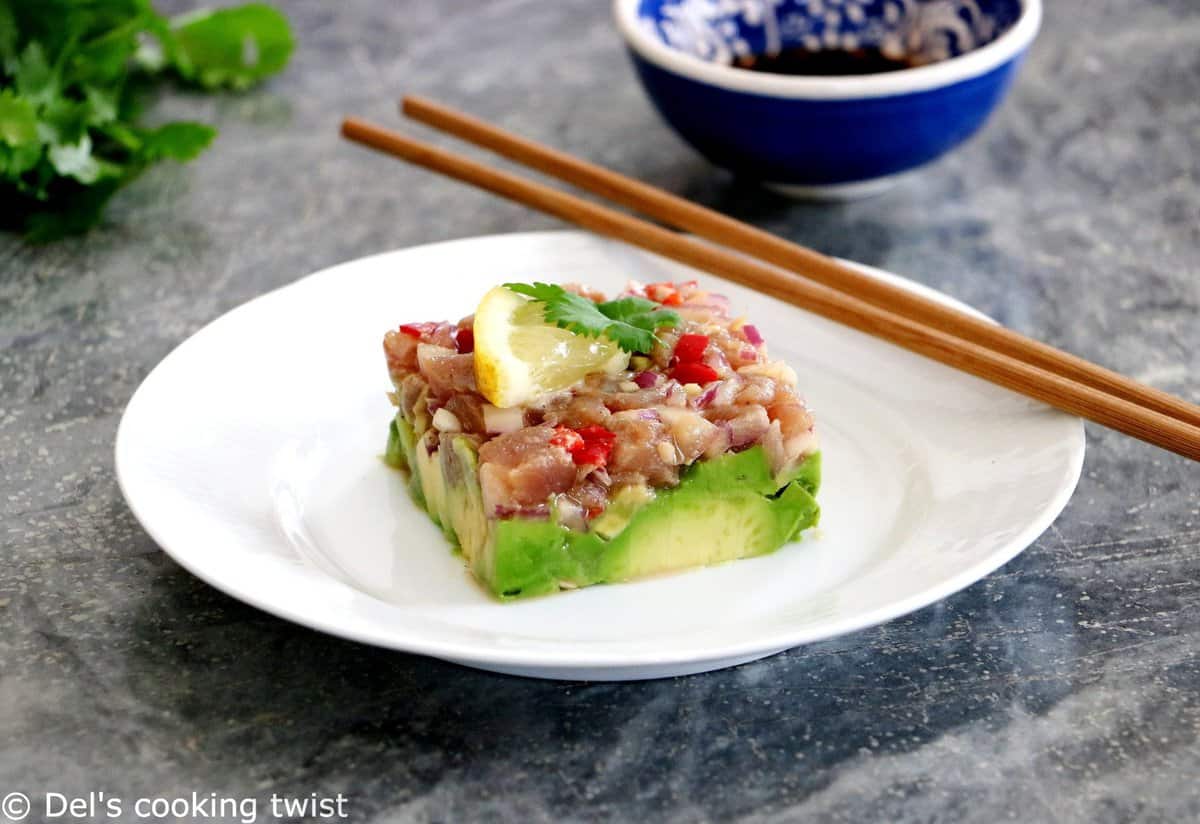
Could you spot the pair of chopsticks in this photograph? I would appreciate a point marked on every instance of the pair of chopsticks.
(800, 276)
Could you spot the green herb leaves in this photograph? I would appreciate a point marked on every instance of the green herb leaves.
(628, 322)
(72, 77)
(229, 48)
(18, 120)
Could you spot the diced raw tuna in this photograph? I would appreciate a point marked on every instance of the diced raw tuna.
(446, 371)
(578, 447)
(636, 457)
(524, 468)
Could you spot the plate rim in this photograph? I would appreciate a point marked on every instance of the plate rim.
(516, 657)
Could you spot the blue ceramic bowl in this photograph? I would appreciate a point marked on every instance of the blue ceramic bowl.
(826, 136)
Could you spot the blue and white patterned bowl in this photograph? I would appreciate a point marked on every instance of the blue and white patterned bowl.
(829, 137)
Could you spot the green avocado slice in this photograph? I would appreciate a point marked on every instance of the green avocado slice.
(723, 509)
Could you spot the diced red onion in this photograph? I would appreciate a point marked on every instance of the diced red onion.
(748, 427)
(752, 334)
(570, 513)
(636, 415)
(717, 360)
(726, 391)
(774, 448)
(748, 354)
(703, 401)
(645, 380)
(537, 511)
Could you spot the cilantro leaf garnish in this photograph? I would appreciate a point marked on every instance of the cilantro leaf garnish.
(629, 322)
(73, 76)
(634, 321)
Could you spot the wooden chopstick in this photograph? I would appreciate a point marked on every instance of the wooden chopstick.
(702, 221)
(1055, 390)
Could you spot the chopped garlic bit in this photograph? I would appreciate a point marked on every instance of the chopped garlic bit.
(692, 389)
(446, 421)
(628, 386)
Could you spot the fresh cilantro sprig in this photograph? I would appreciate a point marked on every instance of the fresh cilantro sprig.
(629, 322)
(73, 76)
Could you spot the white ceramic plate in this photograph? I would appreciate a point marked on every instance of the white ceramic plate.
(250, 454)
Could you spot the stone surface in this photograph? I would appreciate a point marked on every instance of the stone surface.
(1065, 687)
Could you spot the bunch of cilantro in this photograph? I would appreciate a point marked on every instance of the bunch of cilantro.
(74, 75)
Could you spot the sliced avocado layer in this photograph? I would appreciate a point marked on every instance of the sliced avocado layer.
(722, 509)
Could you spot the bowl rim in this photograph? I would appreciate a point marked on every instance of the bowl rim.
(923, 78)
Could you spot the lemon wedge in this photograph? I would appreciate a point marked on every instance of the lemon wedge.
(519, 357)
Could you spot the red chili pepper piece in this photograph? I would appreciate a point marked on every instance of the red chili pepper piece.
(598, 446)
(591, 445)
(662, 292)
(690, 348)
(590, 456)
(674, 299)
(464, 341)
(595, 432)
(700, 373)
(567, 438)
(416, 330)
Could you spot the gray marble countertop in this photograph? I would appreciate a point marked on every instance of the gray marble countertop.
(1064, 687)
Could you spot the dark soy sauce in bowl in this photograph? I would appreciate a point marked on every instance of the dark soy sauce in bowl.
(826, 62)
